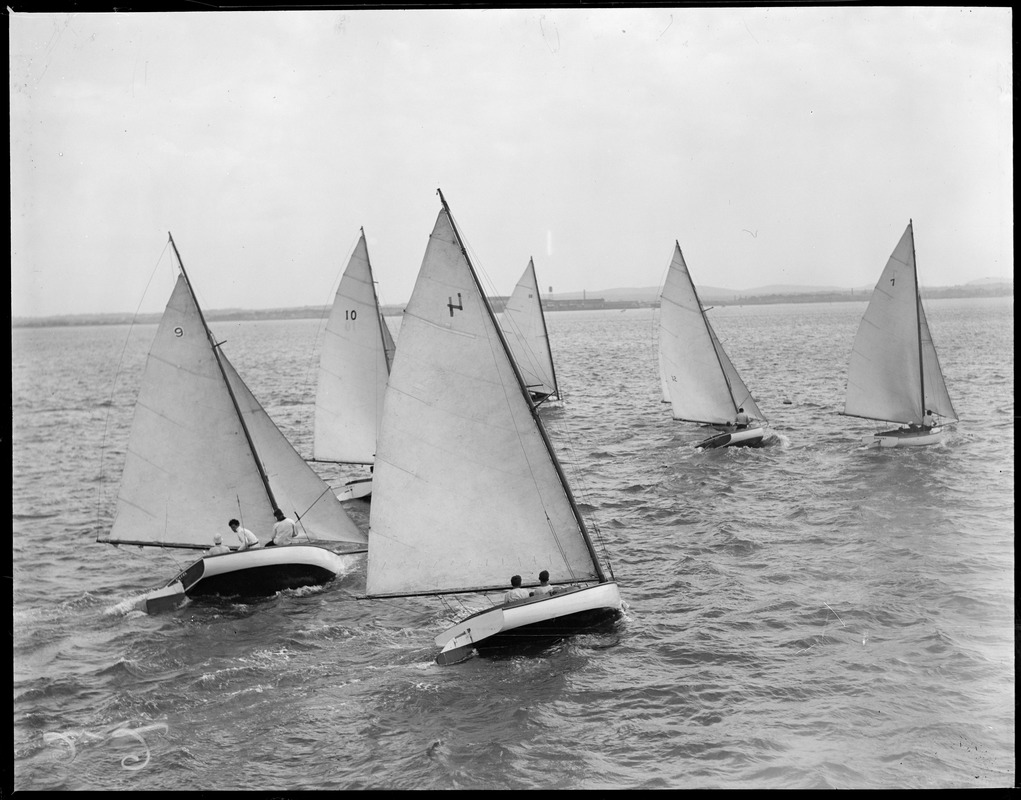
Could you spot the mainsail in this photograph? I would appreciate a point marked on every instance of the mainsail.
(466, 490)
(202, 450)
(696, 375)
(894, 373)
(353, 368)
(525, 327)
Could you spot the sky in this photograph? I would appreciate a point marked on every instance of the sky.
(776, 145)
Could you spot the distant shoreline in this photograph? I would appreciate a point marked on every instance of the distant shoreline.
(551, 305)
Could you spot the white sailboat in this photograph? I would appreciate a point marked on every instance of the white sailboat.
(468, 490)
(203, 450)
(353, 369)
(698, 379)
(524, 325)
(894, 374)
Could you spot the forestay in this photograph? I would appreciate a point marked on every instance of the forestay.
(466, 492)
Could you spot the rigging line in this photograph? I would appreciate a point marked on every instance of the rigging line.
(113, 387)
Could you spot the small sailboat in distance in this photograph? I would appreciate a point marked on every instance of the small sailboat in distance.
(203, 450)
(894, 374)
(353, 370)
(698, 379)
(525, 327)
(468, 489)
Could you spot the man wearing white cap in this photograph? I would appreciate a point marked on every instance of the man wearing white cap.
(218, 546)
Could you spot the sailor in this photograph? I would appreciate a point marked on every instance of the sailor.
(928, 420)
(543, 588)
(218, 546)
(742, 419)
(248, 539)
(516, 593)
(284, 530)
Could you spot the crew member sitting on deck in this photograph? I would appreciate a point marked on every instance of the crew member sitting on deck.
(218, 546)
(516, 593)
(543, 588)
(928, 421)
(742, 419)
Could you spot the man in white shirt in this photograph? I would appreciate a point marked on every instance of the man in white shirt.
(218, 546)
(248, 539)
(516, 593)
(284, 531)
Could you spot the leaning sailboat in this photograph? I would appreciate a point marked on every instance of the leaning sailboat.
(468, 490)
(894, 374)
(353, 369)
(697, 377)
(524, 326)
(202, 450)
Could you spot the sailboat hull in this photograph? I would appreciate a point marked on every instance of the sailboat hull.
(261, 572)
(360, 489)
(745, 437)
(530, 625)
(905, 437)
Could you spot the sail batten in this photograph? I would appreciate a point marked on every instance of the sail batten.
(353, 370)
(466, 491)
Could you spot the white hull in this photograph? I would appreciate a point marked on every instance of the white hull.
(751, 436)
(530, 621)
(360, 489)
(905, 437)
(260, 572)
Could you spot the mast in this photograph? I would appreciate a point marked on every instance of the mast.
(533, 409)
(918, 321)
(545, 331)
(375, 300)
(708, 330)
(223, 373)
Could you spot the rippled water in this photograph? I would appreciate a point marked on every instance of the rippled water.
(810, 614)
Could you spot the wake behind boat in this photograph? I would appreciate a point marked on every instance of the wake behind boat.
(202, 450)
(894, 373)
(468, 490)
(698, 379)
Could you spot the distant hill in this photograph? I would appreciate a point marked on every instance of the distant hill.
(650, 294)
(607, 298)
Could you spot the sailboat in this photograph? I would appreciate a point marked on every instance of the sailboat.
(894, 374)
(203, 450)
(697, 377)
(468, 490)
(524, 326)
(353, 371)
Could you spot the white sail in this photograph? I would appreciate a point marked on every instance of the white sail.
(297, 490)
(190, 466)
(696, 375)
(937, 398)
(526, 334)
(738, 391)
(466, 491)
(893, 347)
(353, 368)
